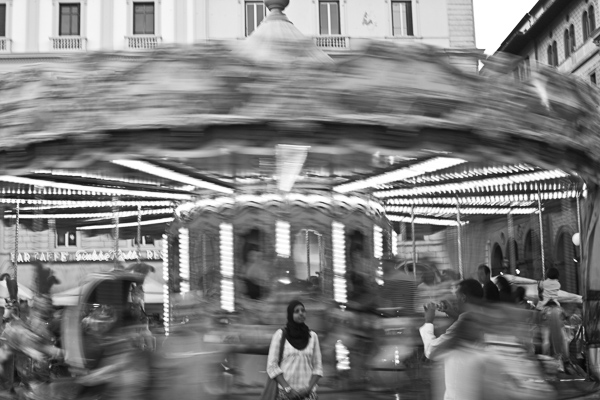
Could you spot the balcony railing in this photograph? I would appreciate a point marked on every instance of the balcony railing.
(4, 45)
(68, 43)
(142, 42)
(333, 42)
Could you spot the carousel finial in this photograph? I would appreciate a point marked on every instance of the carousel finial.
(276, 6)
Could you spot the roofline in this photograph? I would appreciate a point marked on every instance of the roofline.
(516, 40)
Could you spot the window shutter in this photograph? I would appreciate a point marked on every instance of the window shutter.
(409, 20)
(2, 20)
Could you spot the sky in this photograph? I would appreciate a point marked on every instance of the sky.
(494, 20)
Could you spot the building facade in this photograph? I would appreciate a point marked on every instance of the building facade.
(36, 27)
(560, 33)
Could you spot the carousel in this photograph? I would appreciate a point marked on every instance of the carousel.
(266, 170)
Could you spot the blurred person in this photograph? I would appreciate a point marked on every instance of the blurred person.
(301, 365)
(505, 294)
(460, 347)
(123, 369)
(490, 291)
(549, 289)
(520, 299)
(256, 276)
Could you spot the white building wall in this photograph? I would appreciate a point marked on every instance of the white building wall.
(120, 23)
(168, 24)
(93, 24)
(48, 13)
(18, 26)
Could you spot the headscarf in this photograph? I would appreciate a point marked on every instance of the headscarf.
(297, 334)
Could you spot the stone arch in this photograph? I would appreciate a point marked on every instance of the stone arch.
(566, 256)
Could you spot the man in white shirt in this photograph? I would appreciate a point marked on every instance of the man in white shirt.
(460, 347)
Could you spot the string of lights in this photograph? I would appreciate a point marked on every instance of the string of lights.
(84, 203)
(495, 184)
(452, 210)
(166, 296)
(165, 173)
(126, 224)
(59, 188)
(412, 171)
(523, 199)
(423, 221)
(282, 239)
(226, 254)
(184, 260)
(106, 215)
(471, 173)
(339, 262)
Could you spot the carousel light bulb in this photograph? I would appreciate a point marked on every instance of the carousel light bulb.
(342, 356)
(282, 239)
(377, 242)
(394, 243)
(184, 260)
(339, 262)
(226, 254)
(166, 295)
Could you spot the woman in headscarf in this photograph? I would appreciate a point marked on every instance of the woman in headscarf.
(301, 366)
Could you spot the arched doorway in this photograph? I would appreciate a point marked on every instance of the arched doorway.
(567, 261)
(512, 248)
(497, 260)
(527, 267)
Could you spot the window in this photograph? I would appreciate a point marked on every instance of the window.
(585, 23)
(592, 15)
(255, 13)
(143, 18)
(69, 20)
(329, 18)
(2, 20)
(593, 78)
(550, 55)
(146, 240)
(566, 43)
(402, 18)
(555, 53)
(65, 238)
(572, 42)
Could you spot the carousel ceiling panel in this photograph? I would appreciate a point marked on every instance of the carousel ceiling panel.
(179, 102)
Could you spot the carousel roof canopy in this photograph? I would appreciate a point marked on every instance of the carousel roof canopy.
(140, 134)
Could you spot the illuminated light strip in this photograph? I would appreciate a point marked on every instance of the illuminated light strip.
(412, 171)
(166, 295)
(342, 356)
(282, 239)
(87, 175)
(126, 224)
(452, 210)
(377, 242)
(226, 254)
(93, 190)
(339, 262)
(524, 199)
(503, 169)
(165, 173)
(472, 185)
(425, 221)
(107, 215)
(184, 260)
(50, 204)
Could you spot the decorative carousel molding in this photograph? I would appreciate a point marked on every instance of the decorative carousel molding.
(337, 205)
